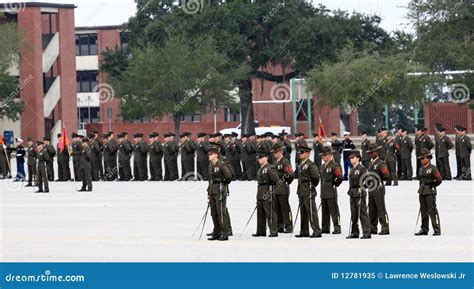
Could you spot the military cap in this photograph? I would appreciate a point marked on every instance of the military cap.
(60, 135)
(303, 148)
(95, 132)
(80, 136)
(383, 128)
(326, 151)
(46, 139)
(153, 134)
(124, 133)
(373, 148)
(404, 129)
(85, 139)
(440, 129)
(120, 135)
(425, 153)
(262, 153)
(419, 127)
(111, 132)
(278, 147)
(214, 135)
(333, 134)
(201, 134)
(355, 153)
(226, 135)
(424, 129)
(234, 134)
(74, 134)
(363, 132)
(138, 134)
(283, 133)
(214, 147)
(315, 134)
(461, 128)
(39, 142)
(183, 135)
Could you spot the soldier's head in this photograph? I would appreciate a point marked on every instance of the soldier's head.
(153, 136)
(326, 154)
(46, 140)
(374, 150)
(19, 141)
(442, 131)
(390, 135)
(425, 157)
(201, 136)
(404, 132)
(423, 130)
(355, 157)
(363, 134)
(214, 150)
(333, 136)
(278, 151)
(462, 130)
(303, 151)
(347, 135)
(39, 145)
(383, 132)
(120, 138)
(137, 137)
(316, 136)
(85, 141)
(262, 157)
(29, 140)
(244, 137)
(125, 135)
(234, 135)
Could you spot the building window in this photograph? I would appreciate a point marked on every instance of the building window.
(302, 111)
(87, 80)
(231, 114)
(192, 117)
(124, 39)
(88, 115)
(86, 44)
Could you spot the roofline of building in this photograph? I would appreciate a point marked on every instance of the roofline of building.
(99, 27)
(41, 4)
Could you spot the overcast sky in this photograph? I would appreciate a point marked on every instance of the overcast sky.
(113, 12)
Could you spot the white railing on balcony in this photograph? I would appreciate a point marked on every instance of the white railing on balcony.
(52, 96)
(51, 53)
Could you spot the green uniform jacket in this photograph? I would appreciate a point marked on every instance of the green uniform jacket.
(156, 151)
(464, 146)
(364, 148)
(95, 150)
(125, 150)
(406, 148)
(308, 179)
(218, 174)
(267, 177)
(331, 178)
(356, 189)
(430, 178)
(86, 158)
(43, 157)
(444, 145)
(140, 151)
(285, 175)
(379, 171)
(187, 151)
(170, 150)
(32, 155)
(202, 150)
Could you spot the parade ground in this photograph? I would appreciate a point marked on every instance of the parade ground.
(155, 222)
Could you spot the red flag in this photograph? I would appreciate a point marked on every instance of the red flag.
(321, 132)
(63, 140)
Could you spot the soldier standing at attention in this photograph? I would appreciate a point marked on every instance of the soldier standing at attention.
(282, 190)
(50, 164)
(390, 158)
(317, 150)
(217, 192)
(347, 147)
(377, 174)
(286, 142)
(465, 149)
(308, 180)
(187, 157)
(170, 156)
(364, 147)
(128, 150)
(62, 160)
(299, 141)
(202, 160)
(86, 166)
(43, 158)
(247, 163)
(76, 155)
(140, 151)
(20, 161)
(358, 198)
(382, 142)
(424, 142)
(444, 145)
(405, 153)
(100, 156)
(31, 154)
(430, 178)
(336, 146)
(331, 178)
(95, 156)
(457, 151)
(110, 157)
(156, 156)
(398, 141)
(237, 156)
(267, 178)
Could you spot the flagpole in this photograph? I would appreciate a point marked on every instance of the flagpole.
(64, 133)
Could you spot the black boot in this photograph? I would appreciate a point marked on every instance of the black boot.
(352, 236)
(316, 235)
(421, 233)
(366, 236)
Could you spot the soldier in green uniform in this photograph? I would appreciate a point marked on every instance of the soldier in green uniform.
(125, 150)
(457, 151)
(308, 180)
(64, 173)
(364, 147)
(391, 159)
(377, 174)
(336, 147)
(170, 156)
(50, 164)
(245, 156)
(31, 154)
(443, 147)
(43, 158)
(465, 149)
(422, 142)
(110, 157)
(267, 178)
(282, 190)
(236, 154)
(156, 156)
(382, 142)
(76, 155)
(430, 178)
(286, 142)
(202, 161)
(86, 166)
(398, 143)
(405, 154)
(219, 179)
(140, 152)
(188, 150)
(317, 150)
(95, 157)
(331, 178)
(358, 198)
(249, 151)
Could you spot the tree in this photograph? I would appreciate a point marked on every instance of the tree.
(179, 78)
(10, 47)
(292, 33)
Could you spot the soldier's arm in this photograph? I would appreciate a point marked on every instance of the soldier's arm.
(314, 172)
(468, 143)
(437, 179)
(449, 143)
(384, 171)
(273, 175)
(430, 142)
(337, 176)
(288, 175)
(226, 175)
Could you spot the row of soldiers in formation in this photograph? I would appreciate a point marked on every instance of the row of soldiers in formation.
(110, 157)
(273, 190)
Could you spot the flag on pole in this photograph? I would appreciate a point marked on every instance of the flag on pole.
(321, 131)
(63, 140)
